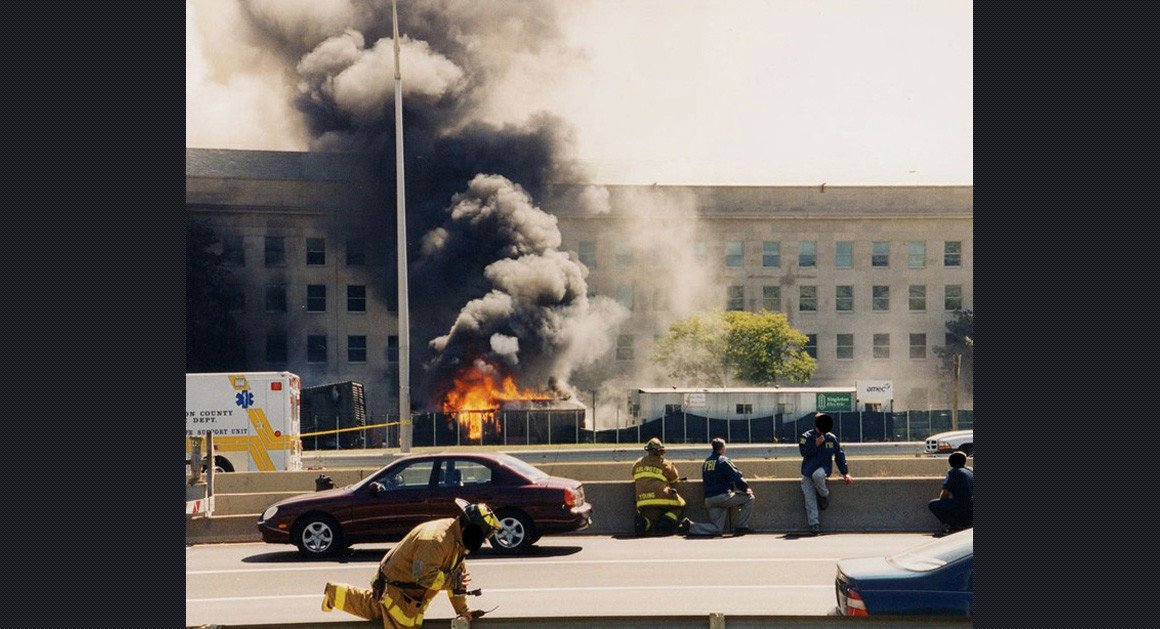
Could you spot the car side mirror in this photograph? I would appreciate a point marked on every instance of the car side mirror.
(377, 488)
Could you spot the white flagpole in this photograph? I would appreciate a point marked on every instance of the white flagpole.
(401, 244)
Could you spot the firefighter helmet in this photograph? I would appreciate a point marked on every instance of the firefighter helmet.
(655, 445)
(480, 516)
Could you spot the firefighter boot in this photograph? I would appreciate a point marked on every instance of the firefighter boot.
(639, 524)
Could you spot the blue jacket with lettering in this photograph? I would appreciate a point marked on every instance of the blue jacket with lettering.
(719, 475)
(814, 457)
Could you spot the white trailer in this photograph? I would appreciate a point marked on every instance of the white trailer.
(254, 418)
(739, 402)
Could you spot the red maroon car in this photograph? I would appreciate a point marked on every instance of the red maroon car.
(387, 504)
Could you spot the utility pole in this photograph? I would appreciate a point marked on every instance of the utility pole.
(955, 361)
(405, 427)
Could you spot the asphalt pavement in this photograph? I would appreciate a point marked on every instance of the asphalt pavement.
(565, 576)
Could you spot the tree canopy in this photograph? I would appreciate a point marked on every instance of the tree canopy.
(720, 348)
(213, 341)
(960, 340)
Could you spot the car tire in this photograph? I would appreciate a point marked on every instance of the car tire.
(967, 448)
(518, 533)
(318, 535)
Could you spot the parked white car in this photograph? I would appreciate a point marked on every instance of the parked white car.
(947, 442)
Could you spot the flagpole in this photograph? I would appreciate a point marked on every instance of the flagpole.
(405, 425)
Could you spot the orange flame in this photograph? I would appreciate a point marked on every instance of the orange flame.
(477, 395)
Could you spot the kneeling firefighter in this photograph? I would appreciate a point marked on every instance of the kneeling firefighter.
(429, 559)
(659, 508)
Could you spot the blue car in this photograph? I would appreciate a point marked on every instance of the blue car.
(934, 579)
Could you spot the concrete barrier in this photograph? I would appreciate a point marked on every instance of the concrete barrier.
(870, 504)
(691, 621)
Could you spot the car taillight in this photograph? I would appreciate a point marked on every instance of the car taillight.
(569, 498)
(855, 606)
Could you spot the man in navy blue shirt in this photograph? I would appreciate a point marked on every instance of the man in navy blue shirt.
(819, 448)
(955, 506)
(725, 490)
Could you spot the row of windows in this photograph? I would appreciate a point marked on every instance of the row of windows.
(844, 298)
(843, 346)
(807, 254)
(356, 298)
(274, 250)
(318, 351)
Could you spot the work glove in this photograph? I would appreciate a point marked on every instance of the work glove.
(474, 613)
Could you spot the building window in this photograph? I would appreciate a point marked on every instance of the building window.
(275, 251)
(624, 347)
(808, 299)
(880, 298)
(233, 253)
(624, 295)
(812, 345)
(275, 298)
(275, 348)
(771, 298)
(316, 348)
(744, 409)
(844, 298)
(881, 346)
(623, 254)
(700, 251)
(953, 299)
(734, 253)
(844, 254)
(356, 349)
(880, 254)
(771, 254)
(918, 346)
(674, 409)
(356, 252)
(588, 253)
(916, 254)
(953, 253)
(736, 298)
(392, 349)
(235, 296)
(845, 347)
(316, 298)
(356, 298)
(917, 297)
(315, 251)
(808, 253)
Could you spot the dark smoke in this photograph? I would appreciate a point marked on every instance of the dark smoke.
(490, 282)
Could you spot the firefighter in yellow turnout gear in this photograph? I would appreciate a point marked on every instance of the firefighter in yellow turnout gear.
(659, 508)
(429, 559)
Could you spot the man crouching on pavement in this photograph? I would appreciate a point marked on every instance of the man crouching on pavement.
(429, 559)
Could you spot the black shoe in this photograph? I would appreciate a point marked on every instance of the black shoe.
(683, 527)
(823, 502)
(814, 530)
(742, 530)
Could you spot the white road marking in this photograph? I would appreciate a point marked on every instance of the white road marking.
(617, 588)
(477, 564)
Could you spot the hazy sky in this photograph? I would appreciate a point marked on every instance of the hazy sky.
(668, 91)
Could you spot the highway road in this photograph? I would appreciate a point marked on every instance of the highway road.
(571, 575)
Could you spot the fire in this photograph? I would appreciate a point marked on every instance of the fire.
(478, 393)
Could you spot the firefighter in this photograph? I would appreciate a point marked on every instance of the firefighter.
(659, 508)
(429, 559)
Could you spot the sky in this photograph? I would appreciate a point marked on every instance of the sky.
(746, 92)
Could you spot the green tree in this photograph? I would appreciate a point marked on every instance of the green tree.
(960, 340)
(715, 349)
(213, 341)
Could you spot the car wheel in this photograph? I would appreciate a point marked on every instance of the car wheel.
(318, 535)
(517, 535)
(967, 448)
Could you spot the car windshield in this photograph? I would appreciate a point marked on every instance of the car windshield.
(527, 469)
(937, 553)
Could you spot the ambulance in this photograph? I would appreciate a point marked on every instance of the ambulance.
(254, 418)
